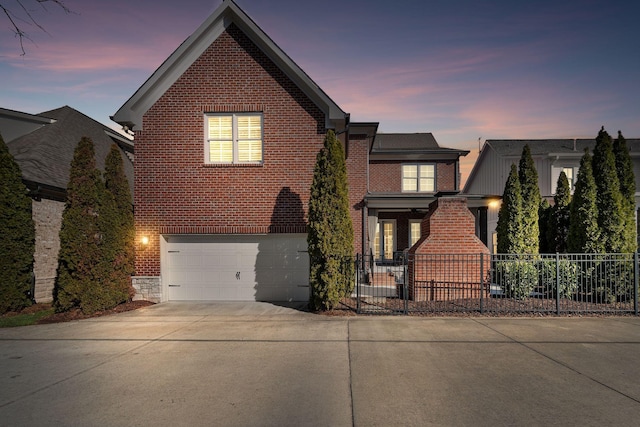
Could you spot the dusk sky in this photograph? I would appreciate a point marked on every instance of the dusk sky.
(461, 69)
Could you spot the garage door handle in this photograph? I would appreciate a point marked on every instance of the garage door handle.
(174, 286)
(238, 275)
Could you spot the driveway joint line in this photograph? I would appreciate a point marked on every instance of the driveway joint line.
(353, 409)
(559, 362)
(76, 374)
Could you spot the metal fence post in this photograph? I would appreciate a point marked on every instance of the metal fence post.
(557, 283)
(481, 282)
(405, 288)
(635, 282)
(361, 271)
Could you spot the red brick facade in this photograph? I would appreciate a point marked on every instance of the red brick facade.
(385, 176)
(448, 228)
(177, 193)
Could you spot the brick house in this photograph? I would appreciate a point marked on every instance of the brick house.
(227, 131)
(43, 146)
(406, 173)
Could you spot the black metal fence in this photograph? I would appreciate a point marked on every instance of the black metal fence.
(503, 284)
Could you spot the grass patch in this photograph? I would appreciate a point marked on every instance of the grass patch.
(25, 319)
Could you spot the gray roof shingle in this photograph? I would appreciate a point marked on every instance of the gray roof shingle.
(542, 147)
(409, 142)
(45, 154)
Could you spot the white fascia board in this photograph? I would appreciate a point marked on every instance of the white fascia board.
(131, 113)
(27, 117)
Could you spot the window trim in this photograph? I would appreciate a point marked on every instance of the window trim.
(234, 139)
(556, 170)
(417, 178)
(570, 179)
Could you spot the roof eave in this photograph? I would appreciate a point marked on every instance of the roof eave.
(35, 118)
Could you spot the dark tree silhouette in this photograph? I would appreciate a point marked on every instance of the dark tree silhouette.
(17, 244)
(22, 15)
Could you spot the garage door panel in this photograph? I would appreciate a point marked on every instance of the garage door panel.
(236, 268)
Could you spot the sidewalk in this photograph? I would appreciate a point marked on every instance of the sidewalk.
(255, 364)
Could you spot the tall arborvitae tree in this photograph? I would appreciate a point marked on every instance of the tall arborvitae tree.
(510, 224)
(611, 216)
(559, 228)
(531, 198)
(17, 229)
(624, 167)
(80, 236)
(544, 222)
(120, 235)
(584, 232)
(330, 237)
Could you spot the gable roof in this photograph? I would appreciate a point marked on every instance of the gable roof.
(45, 155)
(131, 113)
(412, 144)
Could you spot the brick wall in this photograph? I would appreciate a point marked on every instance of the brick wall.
(47, 216)
(446, 262)
(175, 192)
(357, 156)
(386, 176)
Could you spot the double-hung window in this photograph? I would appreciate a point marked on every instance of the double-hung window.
(569, 174)
(233, 138)
(414, 231)
(569, 171)
(419, 178)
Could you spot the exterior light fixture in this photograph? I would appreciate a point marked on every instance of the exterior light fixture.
(494, 203)
(144, 240)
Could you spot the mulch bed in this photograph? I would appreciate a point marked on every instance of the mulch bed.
(77, 314)
(494, 307)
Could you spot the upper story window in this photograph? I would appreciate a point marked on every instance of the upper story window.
(569, 173)
(419, 178)
(233, 138)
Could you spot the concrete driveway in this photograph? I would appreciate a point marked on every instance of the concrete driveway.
(257, 364)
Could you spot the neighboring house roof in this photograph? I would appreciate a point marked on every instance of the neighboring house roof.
(14, 124)
(550, 147)
(45, 155)
(131, 113)
(511, 149)
(412, 146)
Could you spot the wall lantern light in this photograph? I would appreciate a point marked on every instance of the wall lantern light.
(144, 240)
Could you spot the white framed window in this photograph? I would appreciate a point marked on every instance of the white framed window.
(233, 138)
(420, 178)
(414, 231)
(569, 173)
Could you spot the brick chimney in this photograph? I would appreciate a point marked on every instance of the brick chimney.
(449, 261)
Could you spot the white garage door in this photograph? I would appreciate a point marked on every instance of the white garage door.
(236, 268)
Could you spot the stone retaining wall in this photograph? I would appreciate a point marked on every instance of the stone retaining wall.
(47, 216)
